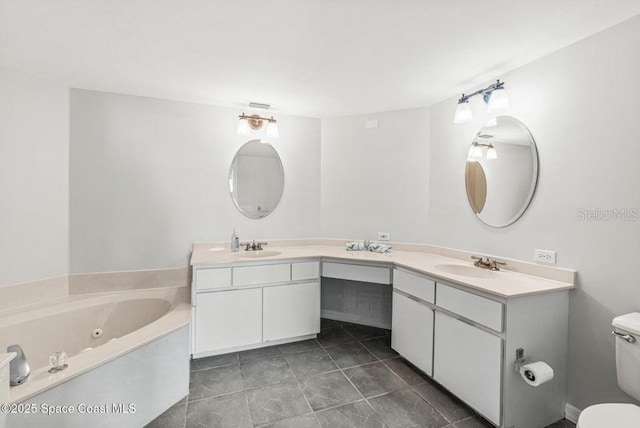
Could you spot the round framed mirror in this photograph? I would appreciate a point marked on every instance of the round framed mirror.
(501, 171)
(256, 179)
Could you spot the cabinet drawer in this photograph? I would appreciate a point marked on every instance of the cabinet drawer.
(263, 274)
(213, 278)
(479, 309)
(418, 286)
(372, 274)
(305, 270)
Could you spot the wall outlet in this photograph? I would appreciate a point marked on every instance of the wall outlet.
(384, 236)
(544, 256)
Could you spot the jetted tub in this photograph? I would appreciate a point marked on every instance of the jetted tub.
(128, 357)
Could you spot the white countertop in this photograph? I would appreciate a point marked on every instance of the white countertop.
(505, 283)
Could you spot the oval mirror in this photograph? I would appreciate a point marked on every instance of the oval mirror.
(256, 179)
(501, 171)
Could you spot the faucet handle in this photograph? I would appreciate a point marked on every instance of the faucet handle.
(260, 244)
(493, 264)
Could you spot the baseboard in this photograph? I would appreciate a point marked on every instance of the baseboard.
(354, 318)
(571, 413)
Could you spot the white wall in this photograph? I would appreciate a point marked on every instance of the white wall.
(149, 177)
(376, 180)
(34, 178)
(580, 104)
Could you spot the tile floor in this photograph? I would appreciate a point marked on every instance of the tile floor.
(348, 377)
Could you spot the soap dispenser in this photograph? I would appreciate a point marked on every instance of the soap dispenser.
(235, 242)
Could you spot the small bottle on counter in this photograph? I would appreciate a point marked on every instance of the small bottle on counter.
(235, 242)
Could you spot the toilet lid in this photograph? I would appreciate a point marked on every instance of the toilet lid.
(610, 415)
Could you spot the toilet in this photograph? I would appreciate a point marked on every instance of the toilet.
(619, 415)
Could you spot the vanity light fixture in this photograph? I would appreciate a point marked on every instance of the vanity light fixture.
(494, 95)
(256, 122)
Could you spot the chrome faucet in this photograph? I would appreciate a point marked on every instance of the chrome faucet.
(254, 246)
(19, 369)
(490, 264)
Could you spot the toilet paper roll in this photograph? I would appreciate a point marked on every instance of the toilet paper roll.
(537, 373)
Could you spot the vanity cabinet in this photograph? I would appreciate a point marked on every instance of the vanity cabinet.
(412, 319)
(412, 336)
(468, 362)
(228, 319)
(466, 340)
(291, 310)
(248, 305)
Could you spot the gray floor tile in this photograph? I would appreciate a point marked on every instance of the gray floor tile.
(374, 379)
(174, 417)
(350, 355)
(405, 408)
(353, 415)
(329, 390)
(259, 354)
(215, 361)
(475, 422)
(362, 332)
(406, 371)
(310, 363)
(275, 402)
(334, 336)
(228, 411)
(265, 372)
(450, 407)
(380, 347)
(214, 382)
(563, 424)
(327, 324)
(306, 421)
(295, 347)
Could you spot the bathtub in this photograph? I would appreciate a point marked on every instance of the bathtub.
(128, 357)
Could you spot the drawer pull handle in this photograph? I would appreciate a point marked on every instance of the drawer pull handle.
(626, 337)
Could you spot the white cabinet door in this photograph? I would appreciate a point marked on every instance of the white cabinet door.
(467, 361)
(291, 310)
(412, 331)
(227, 319)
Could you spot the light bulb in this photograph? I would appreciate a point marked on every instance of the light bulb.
(498, 102)
(243, 129)
(475, 152)
(272, 131)
(492, 154)
(463, 113)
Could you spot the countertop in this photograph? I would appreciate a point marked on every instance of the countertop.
(505, 283)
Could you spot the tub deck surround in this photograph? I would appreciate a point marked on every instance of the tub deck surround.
(176, 315)
(28, 293)
(525, 278)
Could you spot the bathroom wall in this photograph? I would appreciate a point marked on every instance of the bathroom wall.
(34, 178)
(149, 177)
(580, 104)
(376, 180)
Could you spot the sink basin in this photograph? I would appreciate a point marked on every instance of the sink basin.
(259, 254)
(469, 271)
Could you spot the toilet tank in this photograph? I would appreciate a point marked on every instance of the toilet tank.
(628, 353)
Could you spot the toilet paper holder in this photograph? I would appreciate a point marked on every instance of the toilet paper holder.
(521, 360)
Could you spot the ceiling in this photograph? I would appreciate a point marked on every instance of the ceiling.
(316, 58)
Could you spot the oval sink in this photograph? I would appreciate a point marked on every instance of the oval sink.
(470, 271)
(259, 254)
